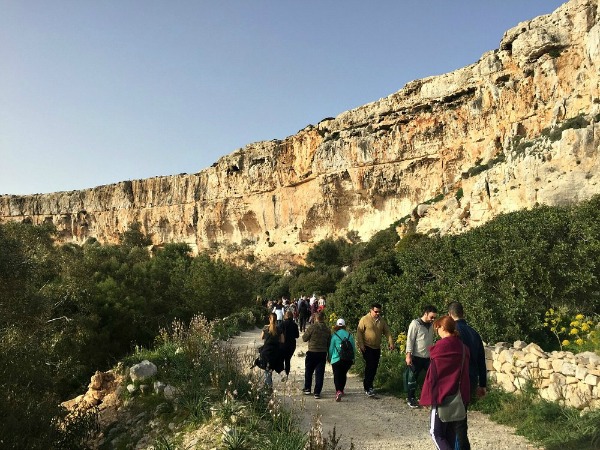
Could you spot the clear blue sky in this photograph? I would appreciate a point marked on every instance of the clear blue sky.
(95, 92)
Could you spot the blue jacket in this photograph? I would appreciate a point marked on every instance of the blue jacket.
(336, 342)
(472, 339)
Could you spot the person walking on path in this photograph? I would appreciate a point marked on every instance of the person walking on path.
(340, 361)
(371, 328)
(279, 311)
(303, 313)
(271, 350)
(418, 340)
(448, 371)
(290, 332)
(477, 367)
(317, 336)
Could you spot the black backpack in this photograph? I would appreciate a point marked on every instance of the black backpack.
(346, 350)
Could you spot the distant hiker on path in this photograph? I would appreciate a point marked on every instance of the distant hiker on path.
(279, 311)
(477, 368)
(370, 330)
(340, 357)
(303, 313)
(290, 332)
(449, 369)
(317, 336)
(418, 340)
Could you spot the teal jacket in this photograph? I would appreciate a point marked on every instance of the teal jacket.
(336, 342)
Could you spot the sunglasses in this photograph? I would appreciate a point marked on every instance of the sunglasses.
(377, 311)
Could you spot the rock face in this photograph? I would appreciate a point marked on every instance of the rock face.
(516, 129)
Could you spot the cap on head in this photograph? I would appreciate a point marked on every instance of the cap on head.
(341, 323)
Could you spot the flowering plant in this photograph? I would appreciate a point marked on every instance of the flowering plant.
(577, 332)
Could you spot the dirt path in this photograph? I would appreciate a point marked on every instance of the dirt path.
(384, 423)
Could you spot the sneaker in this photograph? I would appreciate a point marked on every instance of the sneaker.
(338, 396)
(412, 403)
(306, 391)
(317, 396)
(370, 392)
(343, 394)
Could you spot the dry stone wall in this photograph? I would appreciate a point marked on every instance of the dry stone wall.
(515, 129)
(572, 379)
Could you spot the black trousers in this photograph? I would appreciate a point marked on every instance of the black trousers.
(371, 357)
(461, 428)
(314, 363)
(288, 352)
(303, 320)
(340, 374)
(412, 374)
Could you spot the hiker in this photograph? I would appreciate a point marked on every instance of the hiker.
(371, 328)
(303, 313)
(447, 374)
(418, 340)
(340, 356)
(317, 336)
(290, 332)
(279, 311)
(477, 367)
(271, 352)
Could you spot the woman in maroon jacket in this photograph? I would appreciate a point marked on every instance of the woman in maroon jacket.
(443, 377)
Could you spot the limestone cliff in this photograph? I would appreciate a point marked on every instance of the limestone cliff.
(443, 154)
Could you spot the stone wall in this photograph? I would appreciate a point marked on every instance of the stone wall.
(559, 376)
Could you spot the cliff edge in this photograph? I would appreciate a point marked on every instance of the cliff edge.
(442, 155)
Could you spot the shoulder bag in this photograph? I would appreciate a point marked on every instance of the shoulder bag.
(452, 408)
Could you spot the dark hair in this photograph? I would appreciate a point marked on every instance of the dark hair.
(320, 316)
(456, 309)
(447, 323)
(375, 305)
(429, 309)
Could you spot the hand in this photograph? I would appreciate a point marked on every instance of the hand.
(362, 348)
(391, 347)
(408, 359)
(481, 391)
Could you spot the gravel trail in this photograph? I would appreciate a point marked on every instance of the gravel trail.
(383, 423)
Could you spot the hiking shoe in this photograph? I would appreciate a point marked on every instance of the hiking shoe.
(338, 396)
(317, 396)
(370, 392)
(306, 391)
(412, 403)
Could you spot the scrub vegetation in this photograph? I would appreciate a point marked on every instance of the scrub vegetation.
(69, 310)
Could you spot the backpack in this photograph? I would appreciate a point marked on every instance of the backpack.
(346, 350)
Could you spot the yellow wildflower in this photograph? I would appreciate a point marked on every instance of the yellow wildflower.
(579, 341)
(579, 316)
(574, 331)
(565, 342)
(575, 323)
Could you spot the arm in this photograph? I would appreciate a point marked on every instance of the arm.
(360, 335)
(307, 334)
(388, 333)
(481, 368)
(410, 342)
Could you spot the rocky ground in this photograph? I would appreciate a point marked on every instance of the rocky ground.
(382, 423)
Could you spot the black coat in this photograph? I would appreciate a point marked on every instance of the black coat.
(271, 351)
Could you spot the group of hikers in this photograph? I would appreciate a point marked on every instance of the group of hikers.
(303, 309)
(454, 367)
